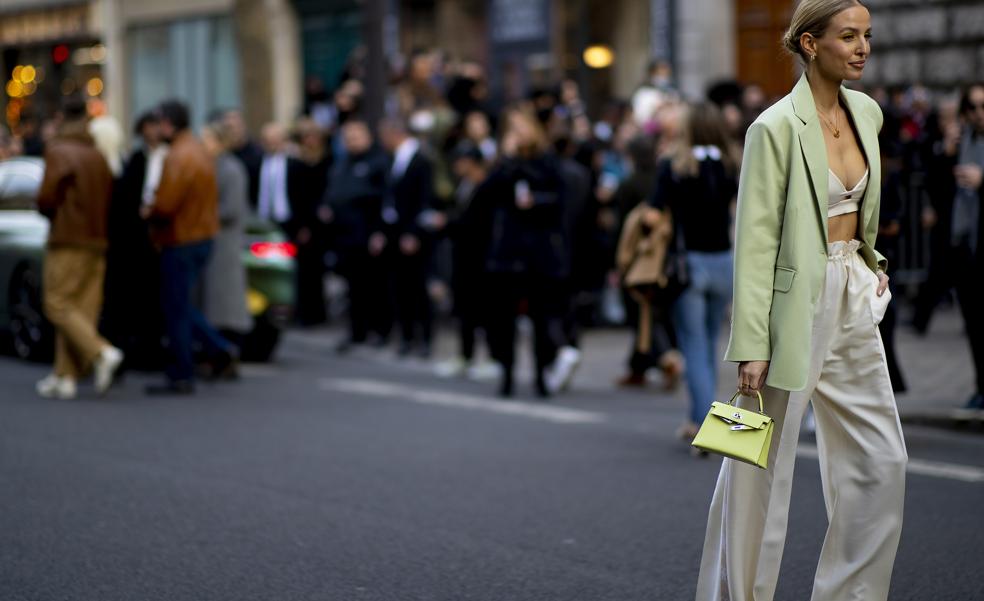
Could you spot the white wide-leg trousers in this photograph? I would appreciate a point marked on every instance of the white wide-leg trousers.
(862, 460)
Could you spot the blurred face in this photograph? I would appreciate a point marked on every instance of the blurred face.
(273, 139)
(356, 137)
(233, 121)
(211, 142)
(477, 126)
(975, 110)
(167, 130)
(844, 47)
(151, 133)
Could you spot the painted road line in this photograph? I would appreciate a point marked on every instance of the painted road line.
(377, 388)
(922, 467)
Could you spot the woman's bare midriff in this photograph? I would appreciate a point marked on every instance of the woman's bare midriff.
(842, 227)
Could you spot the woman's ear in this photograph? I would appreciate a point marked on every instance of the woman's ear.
(809, 44)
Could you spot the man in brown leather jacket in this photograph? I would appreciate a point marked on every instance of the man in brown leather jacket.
(184, 218)
(74, 196)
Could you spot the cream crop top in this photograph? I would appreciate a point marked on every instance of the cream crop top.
(840, 200)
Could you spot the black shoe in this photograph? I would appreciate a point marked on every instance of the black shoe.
(975, 402)
(346, 345)
(506, 385)
(542, 391)
(171, 388)
(225, 366)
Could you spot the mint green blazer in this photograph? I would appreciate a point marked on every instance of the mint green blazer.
(781, 230)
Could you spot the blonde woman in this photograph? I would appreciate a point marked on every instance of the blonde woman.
(809, 292)
(696, 183)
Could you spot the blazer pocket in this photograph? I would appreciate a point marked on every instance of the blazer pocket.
(783, 279)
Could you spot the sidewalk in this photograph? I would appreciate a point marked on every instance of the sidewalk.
(937, 368)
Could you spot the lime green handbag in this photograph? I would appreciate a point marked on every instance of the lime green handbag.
(741, 434)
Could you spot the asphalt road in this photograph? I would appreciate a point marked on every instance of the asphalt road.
(319, 478)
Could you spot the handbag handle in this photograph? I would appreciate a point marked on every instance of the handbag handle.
(761, 403)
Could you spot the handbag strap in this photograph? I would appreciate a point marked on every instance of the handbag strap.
(761, 403)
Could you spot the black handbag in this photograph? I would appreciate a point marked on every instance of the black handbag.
(675, 266)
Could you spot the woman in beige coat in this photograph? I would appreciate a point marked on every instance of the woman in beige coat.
(809, 292)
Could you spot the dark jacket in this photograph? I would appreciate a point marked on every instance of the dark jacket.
(251, 156)
(941, 185)
(410, 195)
(701, 204)
(355, 198)
(186, 208)
(75, 192)
(306, 184)
(530, 241)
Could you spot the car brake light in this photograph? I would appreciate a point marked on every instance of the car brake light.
(273, 250)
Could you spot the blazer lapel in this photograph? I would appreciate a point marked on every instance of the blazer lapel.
(814, 148)
(869, 143)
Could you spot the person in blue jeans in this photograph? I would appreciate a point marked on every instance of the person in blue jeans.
(696, 183)
(183, 220)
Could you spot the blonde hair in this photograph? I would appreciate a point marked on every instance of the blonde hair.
(108, 136)
(812, 17)
(703, 125)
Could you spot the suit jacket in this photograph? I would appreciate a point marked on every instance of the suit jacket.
(781, 230)
(410, 195)
(942, 188)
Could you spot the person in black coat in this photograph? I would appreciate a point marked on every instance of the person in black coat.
(467, 230)
(245, 149)
(131, 320)
(352, 209)
(406, 233)
(307, 179)
(527, 258)
(956, 185)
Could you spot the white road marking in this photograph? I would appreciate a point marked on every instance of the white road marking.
(550, 413)
(922, 467)
(567, 415)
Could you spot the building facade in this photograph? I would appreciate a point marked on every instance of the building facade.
(128, 55)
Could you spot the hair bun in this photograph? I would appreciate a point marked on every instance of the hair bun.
(790, 45)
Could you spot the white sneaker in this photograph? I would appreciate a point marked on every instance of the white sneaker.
(559, 374)
(105, 367)
(55, 387)
(452, 368)
(485, 371)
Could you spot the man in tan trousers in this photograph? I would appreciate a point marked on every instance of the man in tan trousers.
(75, 197)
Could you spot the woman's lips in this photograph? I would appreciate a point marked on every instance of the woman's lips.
(858, 64)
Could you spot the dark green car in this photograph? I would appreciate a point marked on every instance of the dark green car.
(268, 256)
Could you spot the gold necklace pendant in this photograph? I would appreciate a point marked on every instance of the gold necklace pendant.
(832, 127)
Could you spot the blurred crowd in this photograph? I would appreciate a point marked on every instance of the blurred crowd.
(454, 203)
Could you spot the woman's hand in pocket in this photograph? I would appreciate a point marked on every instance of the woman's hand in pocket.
(882, 283)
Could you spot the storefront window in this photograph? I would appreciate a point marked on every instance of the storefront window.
(195, 61)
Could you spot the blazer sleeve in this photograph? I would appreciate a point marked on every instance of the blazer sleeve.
(758, 230)
(878, 118)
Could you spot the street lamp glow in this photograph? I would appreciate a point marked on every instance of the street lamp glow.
(15, 89)
(598, 56)
(94, 87)
(28, 74)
